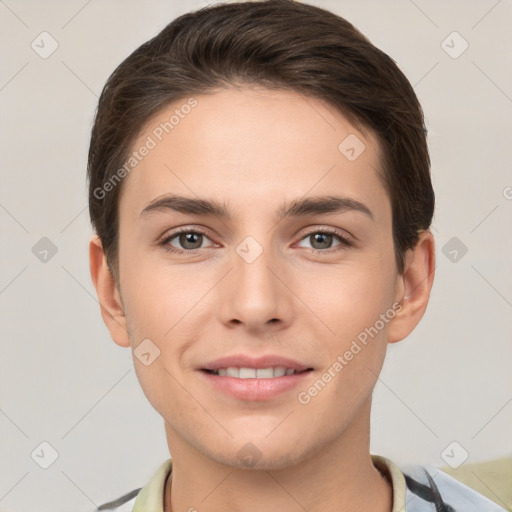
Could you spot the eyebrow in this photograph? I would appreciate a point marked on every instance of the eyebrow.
(296, 208)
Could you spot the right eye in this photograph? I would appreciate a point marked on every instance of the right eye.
(186, 238)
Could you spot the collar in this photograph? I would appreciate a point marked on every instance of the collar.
(151, 497)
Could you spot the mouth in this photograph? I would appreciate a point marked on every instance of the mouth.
(255, 373)
(248, 384)
(249, 377)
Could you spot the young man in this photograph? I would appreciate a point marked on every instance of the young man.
(260, 189)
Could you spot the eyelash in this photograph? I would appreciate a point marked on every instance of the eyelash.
(345, 242)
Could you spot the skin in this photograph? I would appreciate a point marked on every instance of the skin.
(256, 149)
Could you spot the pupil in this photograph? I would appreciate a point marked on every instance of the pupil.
(189, 237)
(322, 236)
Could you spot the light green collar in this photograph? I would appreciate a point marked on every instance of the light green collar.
(151, 497)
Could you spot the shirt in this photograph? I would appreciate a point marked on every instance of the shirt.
(416, 488)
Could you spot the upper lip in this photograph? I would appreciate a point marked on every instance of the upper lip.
(246, 361)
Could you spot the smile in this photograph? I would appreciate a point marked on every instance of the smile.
(254, 373)
(255, 384)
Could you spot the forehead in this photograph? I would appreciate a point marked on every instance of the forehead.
(249, 146)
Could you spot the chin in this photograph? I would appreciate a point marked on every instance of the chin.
(260, 456)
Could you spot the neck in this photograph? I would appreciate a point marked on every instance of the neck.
(338, 476)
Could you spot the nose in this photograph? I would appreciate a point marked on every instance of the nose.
(255, 293)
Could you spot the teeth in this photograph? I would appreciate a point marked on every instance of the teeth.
(255, 373)
(232, 372)
(279, 371)
(245, 373)
(263, 373)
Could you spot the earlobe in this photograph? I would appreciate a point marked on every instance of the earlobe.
(112, 309)
(414, 287)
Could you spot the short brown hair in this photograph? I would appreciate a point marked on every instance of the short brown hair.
(279, 44)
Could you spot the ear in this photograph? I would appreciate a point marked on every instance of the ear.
(413, 287)
(112, 309)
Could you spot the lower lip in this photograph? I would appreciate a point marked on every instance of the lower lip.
(255, 389)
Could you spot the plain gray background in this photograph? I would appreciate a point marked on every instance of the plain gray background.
(64, 382)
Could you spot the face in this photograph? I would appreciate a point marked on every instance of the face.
(282, 273)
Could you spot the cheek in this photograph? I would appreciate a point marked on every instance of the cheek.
(162, 307)
(349, 298)
(159, 296)
(352, 336)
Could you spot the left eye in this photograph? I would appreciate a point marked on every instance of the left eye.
(325, 238)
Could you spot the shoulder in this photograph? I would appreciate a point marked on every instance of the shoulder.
(144, 498)
(428, 486)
